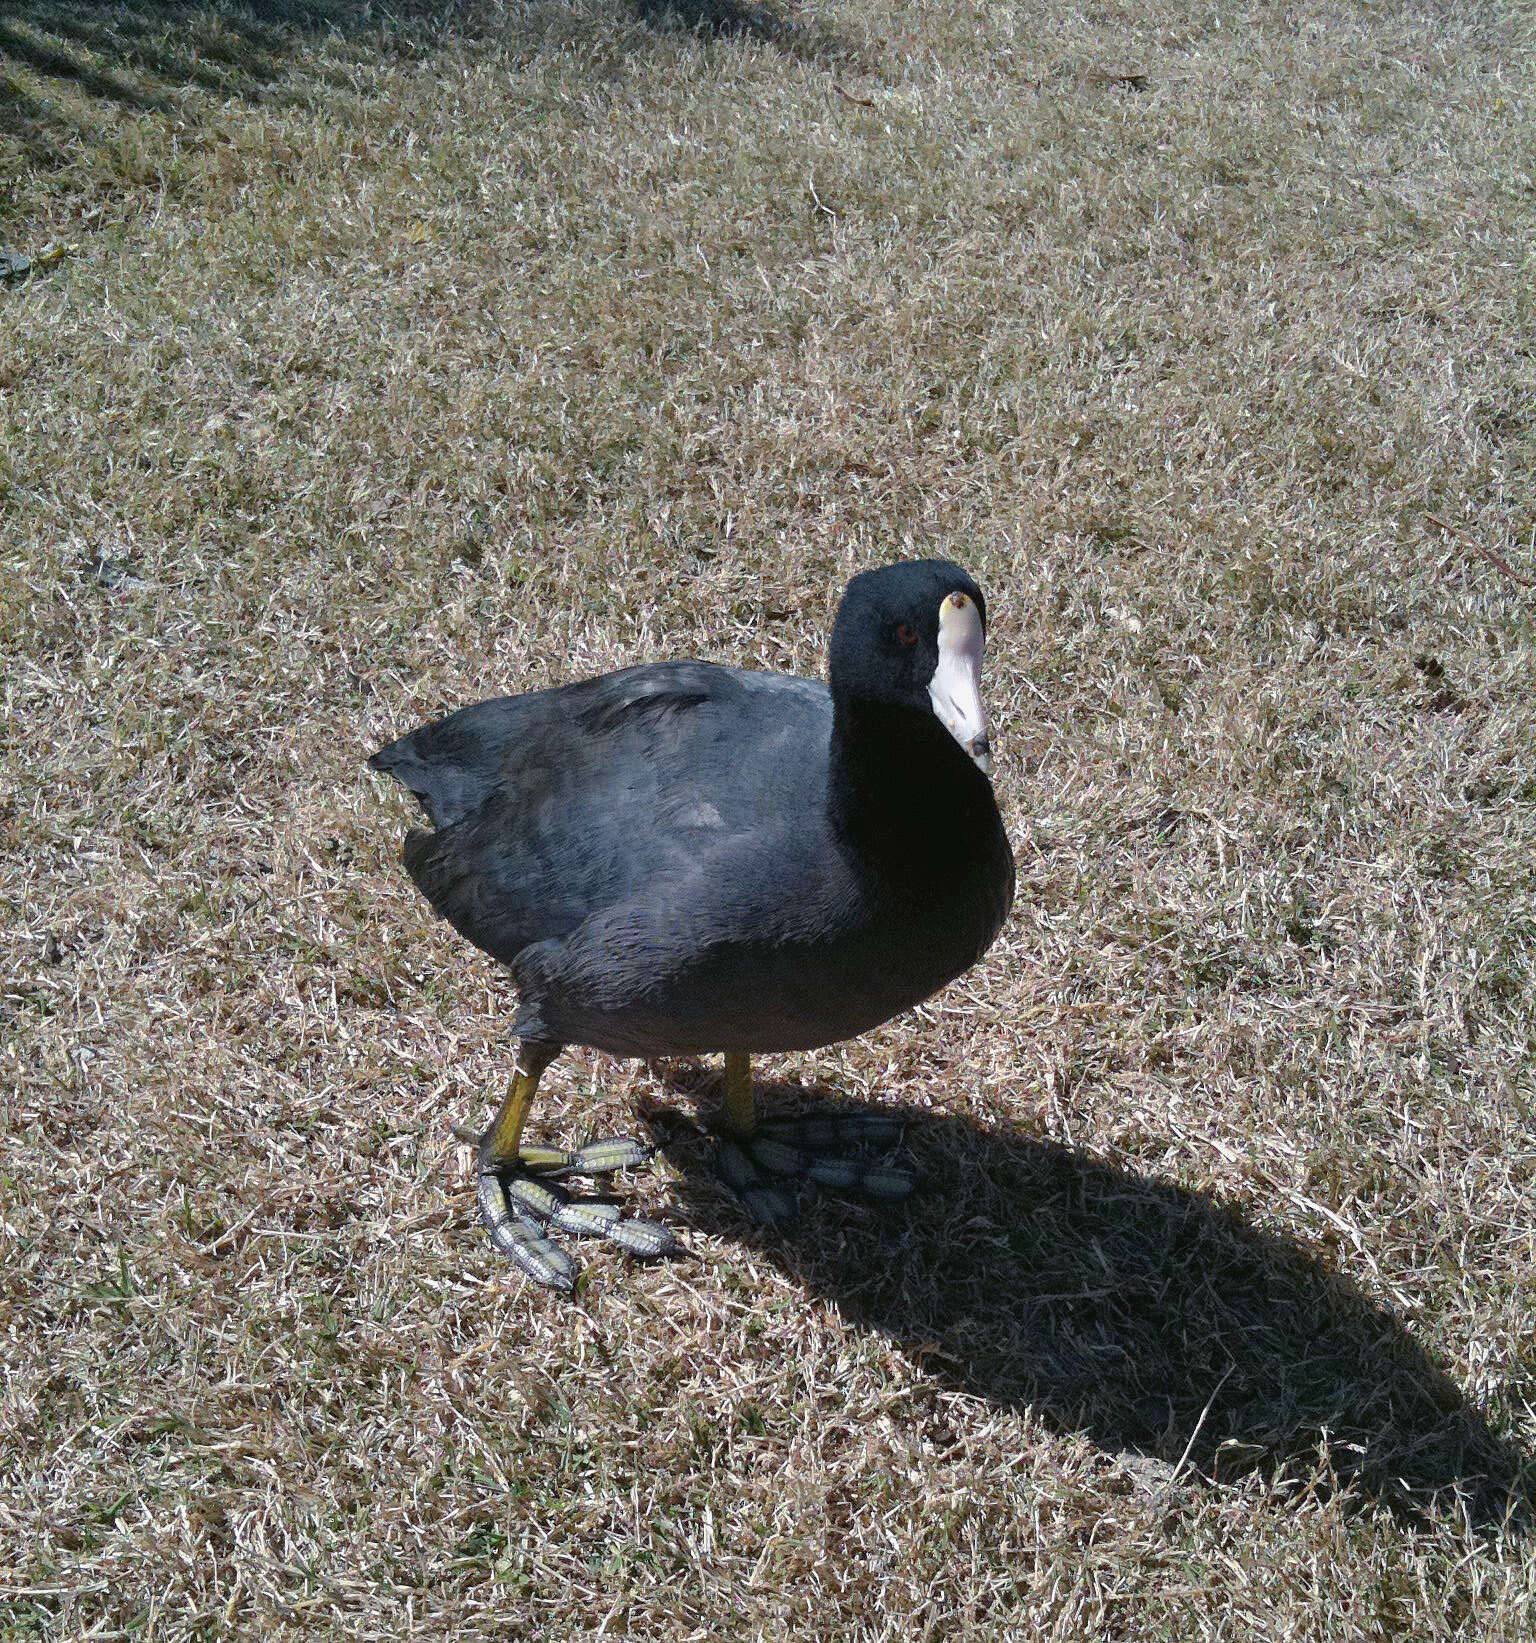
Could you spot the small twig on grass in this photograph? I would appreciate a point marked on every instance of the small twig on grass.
(1498, 561)
(818, 202)
(53, 1591)
(1173, 1476)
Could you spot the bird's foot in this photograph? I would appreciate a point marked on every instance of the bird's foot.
(522, 1202)
(813, 1147)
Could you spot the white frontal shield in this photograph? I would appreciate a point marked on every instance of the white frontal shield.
(955, 688)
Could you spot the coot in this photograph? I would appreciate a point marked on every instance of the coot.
(685, 858)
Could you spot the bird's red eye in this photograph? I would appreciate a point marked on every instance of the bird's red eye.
(906, 634)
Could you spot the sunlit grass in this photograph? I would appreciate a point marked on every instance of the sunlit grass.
(400, 361)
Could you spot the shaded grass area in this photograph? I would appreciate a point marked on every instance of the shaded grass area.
(1152, 1320)
(73, 79)
(410, 356)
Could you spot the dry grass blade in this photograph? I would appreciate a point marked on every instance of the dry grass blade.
(419, 353)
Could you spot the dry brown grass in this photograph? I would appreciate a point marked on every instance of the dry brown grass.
(404, 361)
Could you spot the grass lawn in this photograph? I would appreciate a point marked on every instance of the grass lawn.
(373, 361)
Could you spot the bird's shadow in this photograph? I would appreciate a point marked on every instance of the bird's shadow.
(1153, 1320)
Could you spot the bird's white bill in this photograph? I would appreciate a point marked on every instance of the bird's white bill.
(955, 688)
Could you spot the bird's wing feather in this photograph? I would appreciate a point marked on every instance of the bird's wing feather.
(555, 805)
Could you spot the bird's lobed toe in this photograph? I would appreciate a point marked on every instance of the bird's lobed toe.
(520, 1203)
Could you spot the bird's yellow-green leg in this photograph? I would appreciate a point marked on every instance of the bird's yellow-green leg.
(519, 1198)
(764, 1201)
(740, 1104)
(812, 1146)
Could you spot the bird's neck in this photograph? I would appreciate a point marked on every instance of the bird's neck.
(899, 778)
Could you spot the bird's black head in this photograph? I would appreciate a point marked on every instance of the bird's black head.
(911, 635)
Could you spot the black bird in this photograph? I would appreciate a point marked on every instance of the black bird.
(684, 858)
